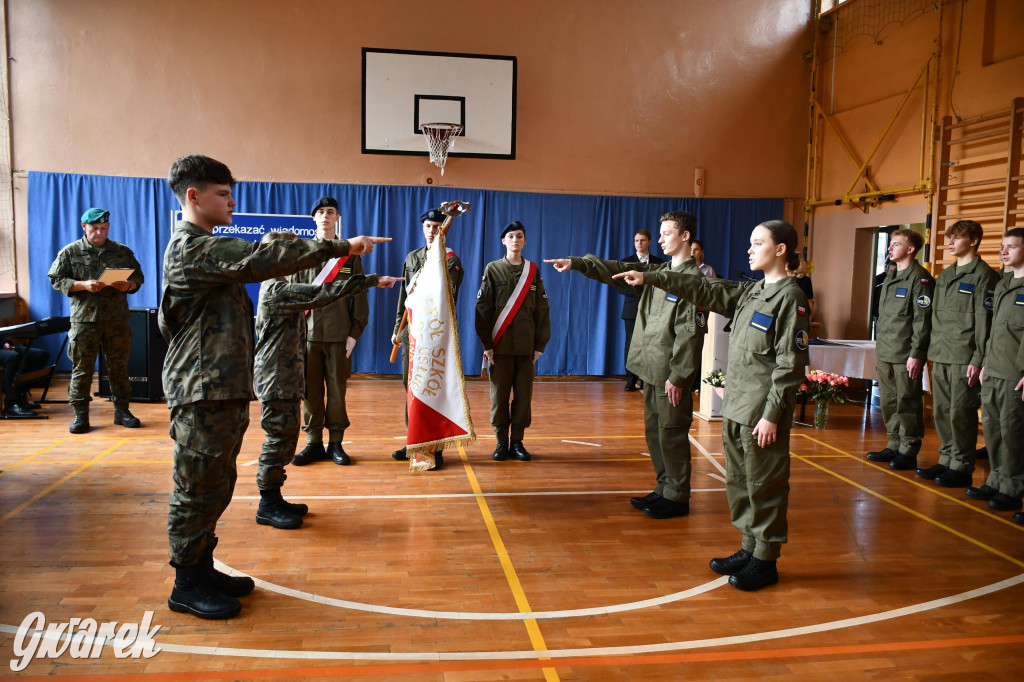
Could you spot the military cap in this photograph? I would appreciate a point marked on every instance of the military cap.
(96, 215)
(514, 225)
(324, 202)
(433, 215)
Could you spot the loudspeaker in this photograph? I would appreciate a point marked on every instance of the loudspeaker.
(145, 359)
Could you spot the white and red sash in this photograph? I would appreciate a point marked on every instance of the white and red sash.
(514, 303)
(331, 270)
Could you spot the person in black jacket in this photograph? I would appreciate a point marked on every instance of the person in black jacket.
(16, 402)
(642, 242)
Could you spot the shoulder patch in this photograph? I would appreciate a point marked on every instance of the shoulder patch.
(924, 301)
(988, 301)
(801, 340)
(925, 280)
(701, 318)
(801, 311)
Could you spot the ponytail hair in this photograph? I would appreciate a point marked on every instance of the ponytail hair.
(784, 233)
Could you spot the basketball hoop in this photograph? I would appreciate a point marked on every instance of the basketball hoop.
(440, 140)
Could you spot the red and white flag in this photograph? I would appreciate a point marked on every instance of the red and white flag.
(438, 407)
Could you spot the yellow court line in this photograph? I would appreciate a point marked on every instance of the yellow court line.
(32, 456)
(930, 488)
(532, 629)
(913, 512)
(52, 486)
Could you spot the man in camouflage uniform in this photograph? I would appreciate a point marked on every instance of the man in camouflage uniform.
(961, 320)
(99, 315)
(431, 219)
(665, 353)
(903, 332)
(280, 376)
(513, 357)
(206, 316)
(331, 334)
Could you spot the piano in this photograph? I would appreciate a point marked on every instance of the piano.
(40, 378)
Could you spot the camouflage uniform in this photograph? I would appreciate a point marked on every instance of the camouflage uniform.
(667, 342)
(413, 263)
(206, 316)
(512, 372)
(97, 319)
(327, 330)
(280, 374)
(961, 318)
(767, 363)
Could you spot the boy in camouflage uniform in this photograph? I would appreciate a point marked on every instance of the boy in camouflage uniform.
(902, 332)
(961, 317)
(206, 317)
(99, 315)
(280, 376)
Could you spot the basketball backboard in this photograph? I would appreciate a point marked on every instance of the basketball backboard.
(403, 89)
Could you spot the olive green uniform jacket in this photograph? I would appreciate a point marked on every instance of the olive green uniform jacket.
(1002, 410)
(530, 329)
(962, 313)
(767, 346)
(81, 261)
(904, 325)
(669, 334)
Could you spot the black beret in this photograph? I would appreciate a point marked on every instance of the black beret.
(514, 225)
(324, 202)
(432, 214)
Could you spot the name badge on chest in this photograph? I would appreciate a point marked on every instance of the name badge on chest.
(1018, 299)
(901, 292)
(671, 298)
(761, 321)
(965, 288)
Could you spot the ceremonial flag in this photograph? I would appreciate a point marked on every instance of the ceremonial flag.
(438, 407)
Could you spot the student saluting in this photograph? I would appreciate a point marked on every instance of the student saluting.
(767, 361)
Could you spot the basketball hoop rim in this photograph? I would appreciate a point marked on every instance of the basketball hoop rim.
(441, 127)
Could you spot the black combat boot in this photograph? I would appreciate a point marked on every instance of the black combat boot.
(272, 511)
(731, 565)
(500, 452)
(81, 423)
(194, 593)
(231, 586)
(519, 452)
(337, 453)
(313, 452)
(400, 455)
(755, 575)
(122, 417)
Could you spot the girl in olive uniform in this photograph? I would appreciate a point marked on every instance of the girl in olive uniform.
(767, 363)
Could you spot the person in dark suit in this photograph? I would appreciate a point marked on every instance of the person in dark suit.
(642, 242)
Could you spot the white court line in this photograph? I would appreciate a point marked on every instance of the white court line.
(567, 653)
(707, 455)
(580, 442)
(249, 464)
(480, 615)
(717, 477)
(434, 496)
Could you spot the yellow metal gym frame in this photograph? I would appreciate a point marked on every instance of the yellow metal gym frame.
(821, 122)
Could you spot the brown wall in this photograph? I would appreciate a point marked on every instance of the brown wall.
(615, 96)
(869, 80)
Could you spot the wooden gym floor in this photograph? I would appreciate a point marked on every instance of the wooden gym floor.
(510, 570)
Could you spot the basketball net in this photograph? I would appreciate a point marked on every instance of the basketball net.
(440, 141)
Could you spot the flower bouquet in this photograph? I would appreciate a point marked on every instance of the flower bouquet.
(716, 379)
(823, 388)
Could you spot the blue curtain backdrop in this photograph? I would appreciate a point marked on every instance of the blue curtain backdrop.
(587, 335)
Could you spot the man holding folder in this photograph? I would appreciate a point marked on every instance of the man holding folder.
(98, 274)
